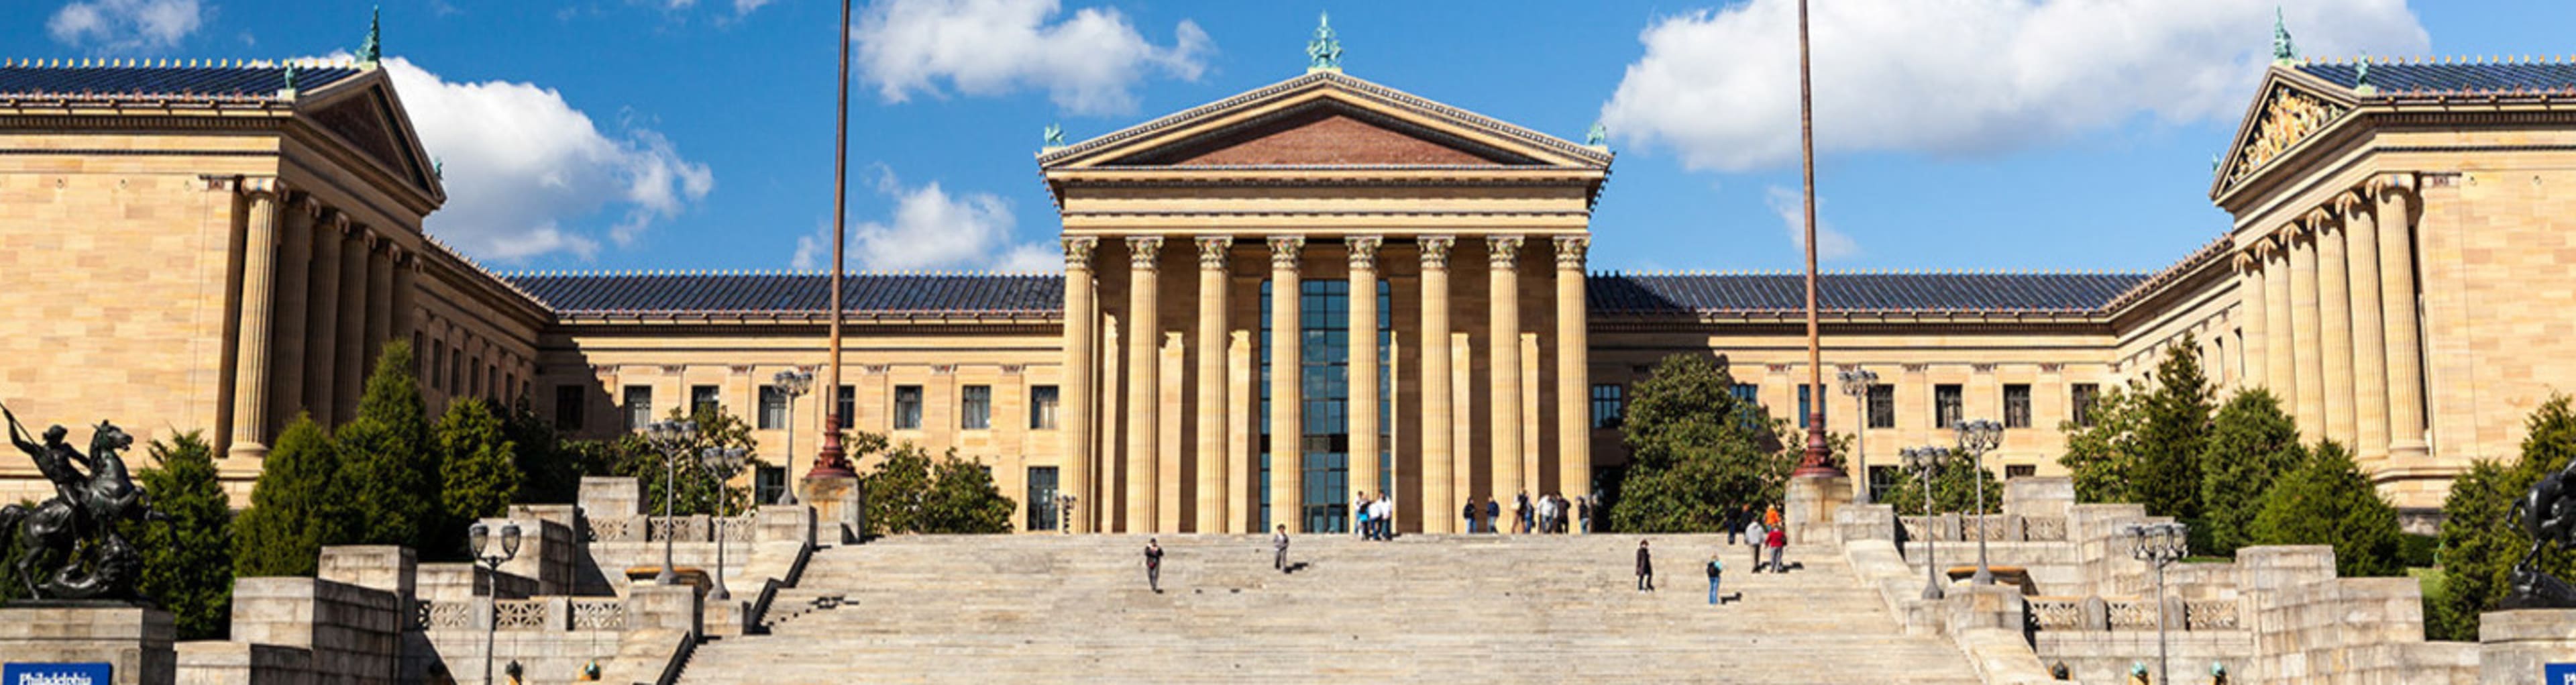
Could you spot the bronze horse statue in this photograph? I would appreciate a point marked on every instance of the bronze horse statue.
(2547, 514)
(71, 548)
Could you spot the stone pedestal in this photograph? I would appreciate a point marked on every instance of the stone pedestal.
(134, 641)
(2517, 647)
(1812, 503)
(838, 504)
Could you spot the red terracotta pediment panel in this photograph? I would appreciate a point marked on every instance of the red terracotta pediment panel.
(1324, 135)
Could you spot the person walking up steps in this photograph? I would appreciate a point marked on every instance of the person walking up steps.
(1714, 569)
(1753, 538)
(1493, 513)
(1645, 568)
(1279, 542)
(1154, 565)
(1777, 539)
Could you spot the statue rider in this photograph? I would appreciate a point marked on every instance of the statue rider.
(54, 458)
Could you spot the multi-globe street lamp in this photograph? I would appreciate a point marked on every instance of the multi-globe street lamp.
(1856, 382)
(1977, 438)
(2160, 545)
(1064, 512)
(722, 464)
(669, 437)
(793, 383)
(1924, 461)
(477, 537)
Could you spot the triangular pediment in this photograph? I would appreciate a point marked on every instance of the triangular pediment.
(1325, 119)
(2284, 117)
(365, 115)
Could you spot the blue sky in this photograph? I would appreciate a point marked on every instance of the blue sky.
(696, 134)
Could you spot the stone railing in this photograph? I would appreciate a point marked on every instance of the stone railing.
(2095, 613)
(541, 614)
(519, 614)
(744, 528)
(1995, 528)
(598, 614)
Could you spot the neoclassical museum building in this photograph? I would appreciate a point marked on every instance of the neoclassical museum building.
(1393, 290)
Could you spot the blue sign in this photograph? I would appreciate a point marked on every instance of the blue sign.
(2558, 674)
(56, 674)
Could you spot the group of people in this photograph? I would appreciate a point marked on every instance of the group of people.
(1376, 517)
(1761, 531)
(1550, 513)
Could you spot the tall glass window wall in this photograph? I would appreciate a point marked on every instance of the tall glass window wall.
(1324, 308)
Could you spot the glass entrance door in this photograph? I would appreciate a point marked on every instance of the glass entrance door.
(1324, 309)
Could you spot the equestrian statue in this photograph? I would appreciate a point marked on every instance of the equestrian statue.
(68, 546)
(2548, 516)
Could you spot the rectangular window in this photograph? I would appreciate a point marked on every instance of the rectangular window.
(773, 408)
(907, 407)
(975, 408)
(768, 483)
(1882, 406)
(1747, 392)
(438, 365)
(2012, 471)
(846, 406)
(704, 398)
(1042, 503)
(1608, 405)
(2085, 395)
(1947, 411)
(639, 406)
(1804, 407)
(568, 407)
(476, 371)
(2017, 405)
(1042, 407)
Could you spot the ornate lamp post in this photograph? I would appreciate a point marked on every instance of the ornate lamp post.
(2160, 545)
(1856, 382)
(477, 537)
(793, 383)
(1925, 460)
(1064, 512)
(722, 463)
(1977, 438)
(669, 437)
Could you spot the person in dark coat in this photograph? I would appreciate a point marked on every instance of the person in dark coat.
(1469, 513)
(1153, 565)
(1645, 568)
(1493, 512)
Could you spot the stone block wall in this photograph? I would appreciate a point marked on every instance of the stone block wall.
(242, 663)
(353, 632)
(134, 641)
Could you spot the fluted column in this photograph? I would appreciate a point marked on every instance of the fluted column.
(406, 296)
(349, 376)
(1144, 382)
(322, 322)
(2334, 324)
(1504, 290)
(380, 310)
(2252, 316)
(294, 271)
(1573, 373)
(258, 302)
(1440, 497)
(2280, 339)
(1287, 396)
(1363, 368)
(2304, 319)
(2369, 339)
(2397, 198)
(1212, 435)
(1081, 321)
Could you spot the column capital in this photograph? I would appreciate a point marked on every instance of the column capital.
(1502, 251)
(258, 187)
(2316, 222)
(1285, 250)
(2396, 181)
(1077, 252)
(2344, 203)
(2246, 262)
(1435, 250)
(340, 221)
(1571, 251)
(311, 206)
(1212, 249)
(1142, 251)
(1364, 251)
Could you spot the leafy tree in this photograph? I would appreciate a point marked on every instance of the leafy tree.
(1954, 489)
(1695, 451)
(2481, 539)
(478, 476)
(187, 554)
(2325, 501)
(389, 463)
(550, 468)
(2098, 456)
(693, 490)
(909, 492)
(2250, 445)
(963, 499)
(298, 505)
(2171, 437)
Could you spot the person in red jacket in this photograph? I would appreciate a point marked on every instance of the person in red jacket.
(1777, 539)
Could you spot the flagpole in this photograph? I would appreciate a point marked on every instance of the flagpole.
(1813, 464)
(829, 462)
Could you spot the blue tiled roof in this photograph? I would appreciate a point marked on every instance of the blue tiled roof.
(1759, 293)
(788, 293)
(164, 79)
(2408, 77)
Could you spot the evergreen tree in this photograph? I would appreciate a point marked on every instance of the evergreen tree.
(2250, 445)
(478, 475)
(2098, 456)
(298, 505)
(2327, 501)
(389, 463)
(187, 553)
(1696, 451)
(549, 470)
(2481, 539)
(2171, 436)
(1952, 491)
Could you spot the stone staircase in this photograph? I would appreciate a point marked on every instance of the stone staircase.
(1450, 608)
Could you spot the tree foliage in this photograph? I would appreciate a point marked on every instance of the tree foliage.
(389, 463)
(550, 468)
(2481, 540)
(1695, 451)
(693, 490)
(297, 506)
(908, 492)
(187, 552)
(1954, 489)
(478, 471)
(2145, 444)
(2327, 501)
(2097, 455)
(2251, 444)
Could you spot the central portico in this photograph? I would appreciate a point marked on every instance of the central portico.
(1341, 225)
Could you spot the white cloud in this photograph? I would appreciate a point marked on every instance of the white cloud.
(521, 163)
(126, 25)
(741, 7)
(1965, 76)
(1830, 244)
(1086, 62)
(932, 229)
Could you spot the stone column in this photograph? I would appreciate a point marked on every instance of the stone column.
(1212, 434)
(1287, 399)
(258, 297)
(349, 377)
(2369, 339)
(322, 326)
(1573, 373)
(406, 296)
(2279, 339)
(2304, 320)
(2396, 222)
(1081, 319)
(1144, 382)
(2251, 318)
(1440, 498)
(1504, 291)
(294, 271)
(2334, 325)
(380, 310)
(1363, 369)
